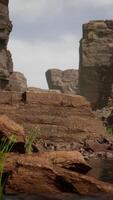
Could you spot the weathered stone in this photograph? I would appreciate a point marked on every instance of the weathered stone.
(9, 128)
(65, 81)
(62, 118)
(6, 65)
(96, 62)
(92, 145)
(17, 82)
(10, 98)
(5, 2)
(47, 173)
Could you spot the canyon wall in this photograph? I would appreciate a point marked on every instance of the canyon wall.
(9, 80)
(6, 65)
(96, 62)
(64, 120)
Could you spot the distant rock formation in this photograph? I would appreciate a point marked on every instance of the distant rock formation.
(65, 81)
(96, 62)
(6, 64)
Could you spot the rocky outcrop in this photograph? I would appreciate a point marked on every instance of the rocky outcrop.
(6, 65)
(8, 78)
(64, 120)
(17, 82)
(53, 173)
(96, 62)
(65, 81)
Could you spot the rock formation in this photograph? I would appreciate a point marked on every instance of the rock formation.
(64, 120)
(96, 62)
(65, 81)
(17, 82)
(9, 128)
(54, 173)
(6, 64)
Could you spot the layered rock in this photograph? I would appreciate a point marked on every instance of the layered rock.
(53, 173)
(8, 79)
(9, 128)
(96, 62)
(65, 81)
(6, 65)
(17, 82)
(64, 120)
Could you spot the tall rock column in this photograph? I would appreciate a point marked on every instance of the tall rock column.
(96, 62)
(6, 65)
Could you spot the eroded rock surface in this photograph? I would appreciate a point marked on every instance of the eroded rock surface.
(65, 81)
(63, 119)
(17, 82)
(96, 62)
(9, 128)
(39, 174)
(6, 65)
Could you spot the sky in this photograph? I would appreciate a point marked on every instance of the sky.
(46, 34)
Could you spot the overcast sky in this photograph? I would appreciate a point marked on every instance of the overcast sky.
(46, 34)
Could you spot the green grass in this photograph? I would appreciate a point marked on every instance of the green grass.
(109, 130)
(32, 134)
(5, 147)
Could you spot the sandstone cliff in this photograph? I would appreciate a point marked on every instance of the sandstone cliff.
(6, 65)
(64, 120)
(96, 62)
(7, 79)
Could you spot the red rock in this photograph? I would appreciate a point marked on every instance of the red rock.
(44, 173)
(9, 128)
(62, 118)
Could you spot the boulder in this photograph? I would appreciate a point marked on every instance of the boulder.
(44, 173)
(65, 81)
(17, 82)
(96, 63)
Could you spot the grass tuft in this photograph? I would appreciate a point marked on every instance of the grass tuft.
(32, 134)
(5, 147)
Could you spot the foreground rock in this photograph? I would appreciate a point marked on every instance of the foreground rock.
(96, 71)
(65, 81)
(47, 173)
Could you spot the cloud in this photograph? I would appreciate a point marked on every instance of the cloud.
(49, 19)
(35, 60)
(46, 33)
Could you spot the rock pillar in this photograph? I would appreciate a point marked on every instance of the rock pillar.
(6, 65)
(96, 62)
